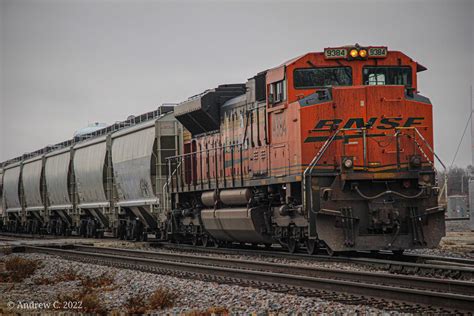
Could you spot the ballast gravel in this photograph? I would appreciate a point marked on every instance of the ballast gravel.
(192, 295)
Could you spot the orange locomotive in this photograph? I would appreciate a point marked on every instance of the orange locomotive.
(330, 150)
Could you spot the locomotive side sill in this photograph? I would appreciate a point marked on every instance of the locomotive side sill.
(379, 175)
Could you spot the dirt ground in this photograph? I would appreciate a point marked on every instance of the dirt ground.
(459, 237)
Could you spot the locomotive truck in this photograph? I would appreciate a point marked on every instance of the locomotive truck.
(330, 150)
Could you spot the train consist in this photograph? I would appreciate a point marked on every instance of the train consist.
(330, 150)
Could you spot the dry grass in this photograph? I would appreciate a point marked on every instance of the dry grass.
(212, 311)
(90, 302)
(136, 305)
(17, 269)
(6, 250)
(103, 282)
(160, 299)
(69, 275)
(5, 310)
(89, 293)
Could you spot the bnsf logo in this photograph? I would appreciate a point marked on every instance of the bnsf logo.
(374, 122)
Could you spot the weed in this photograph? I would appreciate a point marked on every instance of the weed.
(17, 269)
(136, 305)
(102, 281)
(7, 250)
(212, 311)
(42, 281)
(68, 275)
(90, 302)
(162, 298)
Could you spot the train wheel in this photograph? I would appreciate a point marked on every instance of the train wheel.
(292, 245)
(205, 240)
(195, 240)
(311, 246)
(83, 228)
(398, 252)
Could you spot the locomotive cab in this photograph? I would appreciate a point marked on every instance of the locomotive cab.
(365, 147)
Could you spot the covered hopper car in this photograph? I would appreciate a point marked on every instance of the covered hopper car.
(330, 150)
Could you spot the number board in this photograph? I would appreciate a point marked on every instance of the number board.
(335, 53)
(377, 51)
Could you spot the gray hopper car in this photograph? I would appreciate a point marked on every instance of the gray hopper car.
(111, 183)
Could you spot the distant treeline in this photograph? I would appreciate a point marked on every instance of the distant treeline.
(458, 180)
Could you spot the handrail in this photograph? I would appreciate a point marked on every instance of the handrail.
(166, 185)
(308, 171)
(444, 189)
(204, 151)
(311, 166)
(321, 152)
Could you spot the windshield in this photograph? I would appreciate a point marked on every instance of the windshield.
(387, 76)
(320, 77)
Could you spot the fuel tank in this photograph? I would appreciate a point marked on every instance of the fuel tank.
(236, 224)
(209, 198)
(235, 196)
(231, 197)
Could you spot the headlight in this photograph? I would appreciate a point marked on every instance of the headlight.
(348, 163)
(406, 184)
(363, 53)
(415, 162)
(354, 53)
(426, 178)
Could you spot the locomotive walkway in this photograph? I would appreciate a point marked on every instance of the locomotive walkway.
(421, 293)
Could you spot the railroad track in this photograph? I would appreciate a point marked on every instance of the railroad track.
(16, 236)
(410, 294)
(424, 265)
(385, 255)
(412, 264)
(45, 236)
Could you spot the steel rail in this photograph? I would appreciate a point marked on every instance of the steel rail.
(446, 300)
(404, 264)
(358, 256)
(27, 236)
(461, 287)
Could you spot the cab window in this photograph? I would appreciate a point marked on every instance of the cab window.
(277, 92)
(307, 78)
(387, 76)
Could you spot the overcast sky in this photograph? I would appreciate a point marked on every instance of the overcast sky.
(65, 64)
